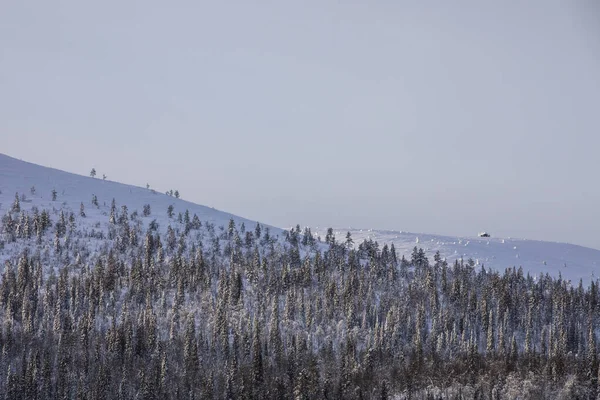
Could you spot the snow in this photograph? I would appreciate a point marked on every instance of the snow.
(572, 261)
(18, 176)
(496, 253)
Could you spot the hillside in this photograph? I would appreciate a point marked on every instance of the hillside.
(107, 302)
(72, 189)
(571, 261)
(35, 183)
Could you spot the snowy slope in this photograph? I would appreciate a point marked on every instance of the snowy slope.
(18, 176)
(572, 261)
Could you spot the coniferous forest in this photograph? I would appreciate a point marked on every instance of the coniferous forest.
(197, 311)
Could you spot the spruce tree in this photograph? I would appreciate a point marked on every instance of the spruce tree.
(16, 206)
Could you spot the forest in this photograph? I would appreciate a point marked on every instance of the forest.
(129, 309)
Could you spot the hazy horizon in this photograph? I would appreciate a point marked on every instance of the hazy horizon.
(447, 120)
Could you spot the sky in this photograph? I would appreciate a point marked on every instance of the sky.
(437, 117)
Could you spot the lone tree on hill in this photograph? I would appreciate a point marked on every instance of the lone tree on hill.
(93, 173)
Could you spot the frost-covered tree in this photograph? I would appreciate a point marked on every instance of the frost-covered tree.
(257, 231)
(349, 241)
(113, 212)
(216, 312)
(16, 206)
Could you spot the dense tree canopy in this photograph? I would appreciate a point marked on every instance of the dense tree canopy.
(198, 311)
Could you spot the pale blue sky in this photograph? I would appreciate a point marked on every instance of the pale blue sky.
(442, 117)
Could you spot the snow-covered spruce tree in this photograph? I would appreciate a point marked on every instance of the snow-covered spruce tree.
(16, 206)
(113, 212)
(213, 312)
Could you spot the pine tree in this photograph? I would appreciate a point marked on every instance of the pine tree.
(16, 206)
(57, 245)
(231, 228)
(275, 342)
(349, 241)
(592, 356)
(529, 329)
(490, 344)
(257, 361)
(196, 224)
(113, 212)
(93, 173)
(230, 387)
(514, 353)
(330, 237)
(383, 395)
(190, 351)
(257, 231)
(124, 216)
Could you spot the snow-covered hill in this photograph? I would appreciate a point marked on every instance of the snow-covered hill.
(36, 183)
(16, 176)
(571, 261)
